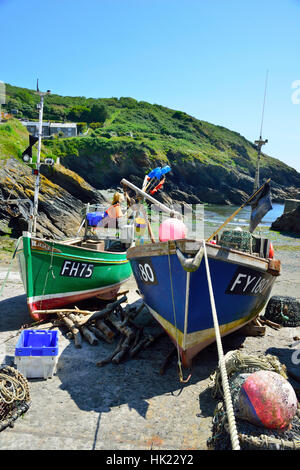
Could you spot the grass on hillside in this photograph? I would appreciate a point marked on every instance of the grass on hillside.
(159, 133)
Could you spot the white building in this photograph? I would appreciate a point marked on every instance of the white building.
(69, 129)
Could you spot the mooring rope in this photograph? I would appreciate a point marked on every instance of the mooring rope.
(11, 389)
(182, 380)
(227, 395)
(50, 268)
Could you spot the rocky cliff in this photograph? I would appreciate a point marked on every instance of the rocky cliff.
(61, 200)
(191, 181)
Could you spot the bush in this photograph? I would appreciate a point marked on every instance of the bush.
(98, 114)
(81, 127)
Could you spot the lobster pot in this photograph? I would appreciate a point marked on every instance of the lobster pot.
(14, 396)
(283, 310)
(237, 240)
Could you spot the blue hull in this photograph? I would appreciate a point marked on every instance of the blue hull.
(241, 283)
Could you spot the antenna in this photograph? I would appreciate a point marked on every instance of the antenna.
(263, 110)
(259, 143)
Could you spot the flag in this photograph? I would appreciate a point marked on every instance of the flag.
(260, 205)
(27, 154)
(32, 140)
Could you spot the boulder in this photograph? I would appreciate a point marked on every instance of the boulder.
(288, 222)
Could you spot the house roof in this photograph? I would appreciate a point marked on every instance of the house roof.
(63, 124)
(50, 124)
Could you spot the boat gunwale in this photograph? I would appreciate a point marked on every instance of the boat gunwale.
(169, 247)
(67, 241)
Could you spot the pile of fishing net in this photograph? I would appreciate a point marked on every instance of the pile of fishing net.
(14, 396)
(240, 367)
(283, 310)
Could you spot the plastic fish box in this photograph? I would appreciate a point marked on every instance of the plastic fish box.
(36, 353)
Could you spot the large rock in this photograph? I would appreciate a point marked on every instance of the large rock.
(72, 183)
(60, 210)
(288, 222)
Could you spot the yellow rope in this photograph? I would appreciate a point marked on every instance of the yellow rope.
(11, 389)
(49, 269)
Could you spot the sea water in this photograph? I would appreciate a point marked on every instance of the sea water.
(217, 214)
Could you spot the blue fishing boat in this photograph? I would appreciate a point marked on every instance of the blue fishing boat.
(172, 279)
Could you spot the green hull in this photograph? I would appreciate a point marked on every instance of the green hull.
(55, 274)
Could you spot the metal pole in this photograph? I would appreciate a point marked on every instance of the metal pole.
(38, 164)
(256, 180)
(37, 181)
(259, 144)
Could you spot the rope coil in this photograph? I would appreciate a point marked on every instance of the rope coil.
(14, 396)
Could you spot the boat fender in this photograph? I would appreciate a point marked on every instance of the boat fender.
(271, 251)
(190, 264)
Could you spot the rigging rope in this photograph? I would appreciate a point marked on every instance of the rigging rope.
(175, 324)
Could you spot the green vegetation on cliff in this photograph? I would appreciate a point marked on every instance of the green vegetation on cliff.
(14, 139)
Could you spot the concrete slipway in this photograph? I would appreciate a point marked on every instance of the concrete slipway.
(119, 407)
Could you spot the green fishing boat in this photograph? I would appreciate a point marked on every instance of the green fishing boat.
(59, 273)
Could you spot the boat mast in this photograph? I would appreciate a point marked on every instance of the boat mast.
(259, 143)
(40, 107)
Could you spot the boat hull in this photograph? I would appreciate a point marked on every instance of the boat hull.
(180, 301)
(56, 274)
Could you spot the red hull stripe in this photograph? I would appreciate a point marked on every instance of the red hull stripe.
(55, 302)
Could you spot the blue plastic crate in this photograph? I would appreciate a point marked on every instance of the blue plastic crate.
(94, 218)
(37, 343)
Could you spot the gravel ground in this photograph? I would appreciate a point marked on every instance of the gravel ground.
(128, 406)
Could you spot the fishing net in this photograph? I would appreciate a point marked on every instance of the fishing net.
(238, 240)
(14, 396)
(283, 310)
(251, 437)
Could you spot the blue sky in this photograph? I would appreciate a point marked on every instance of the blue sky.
(206, 57)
